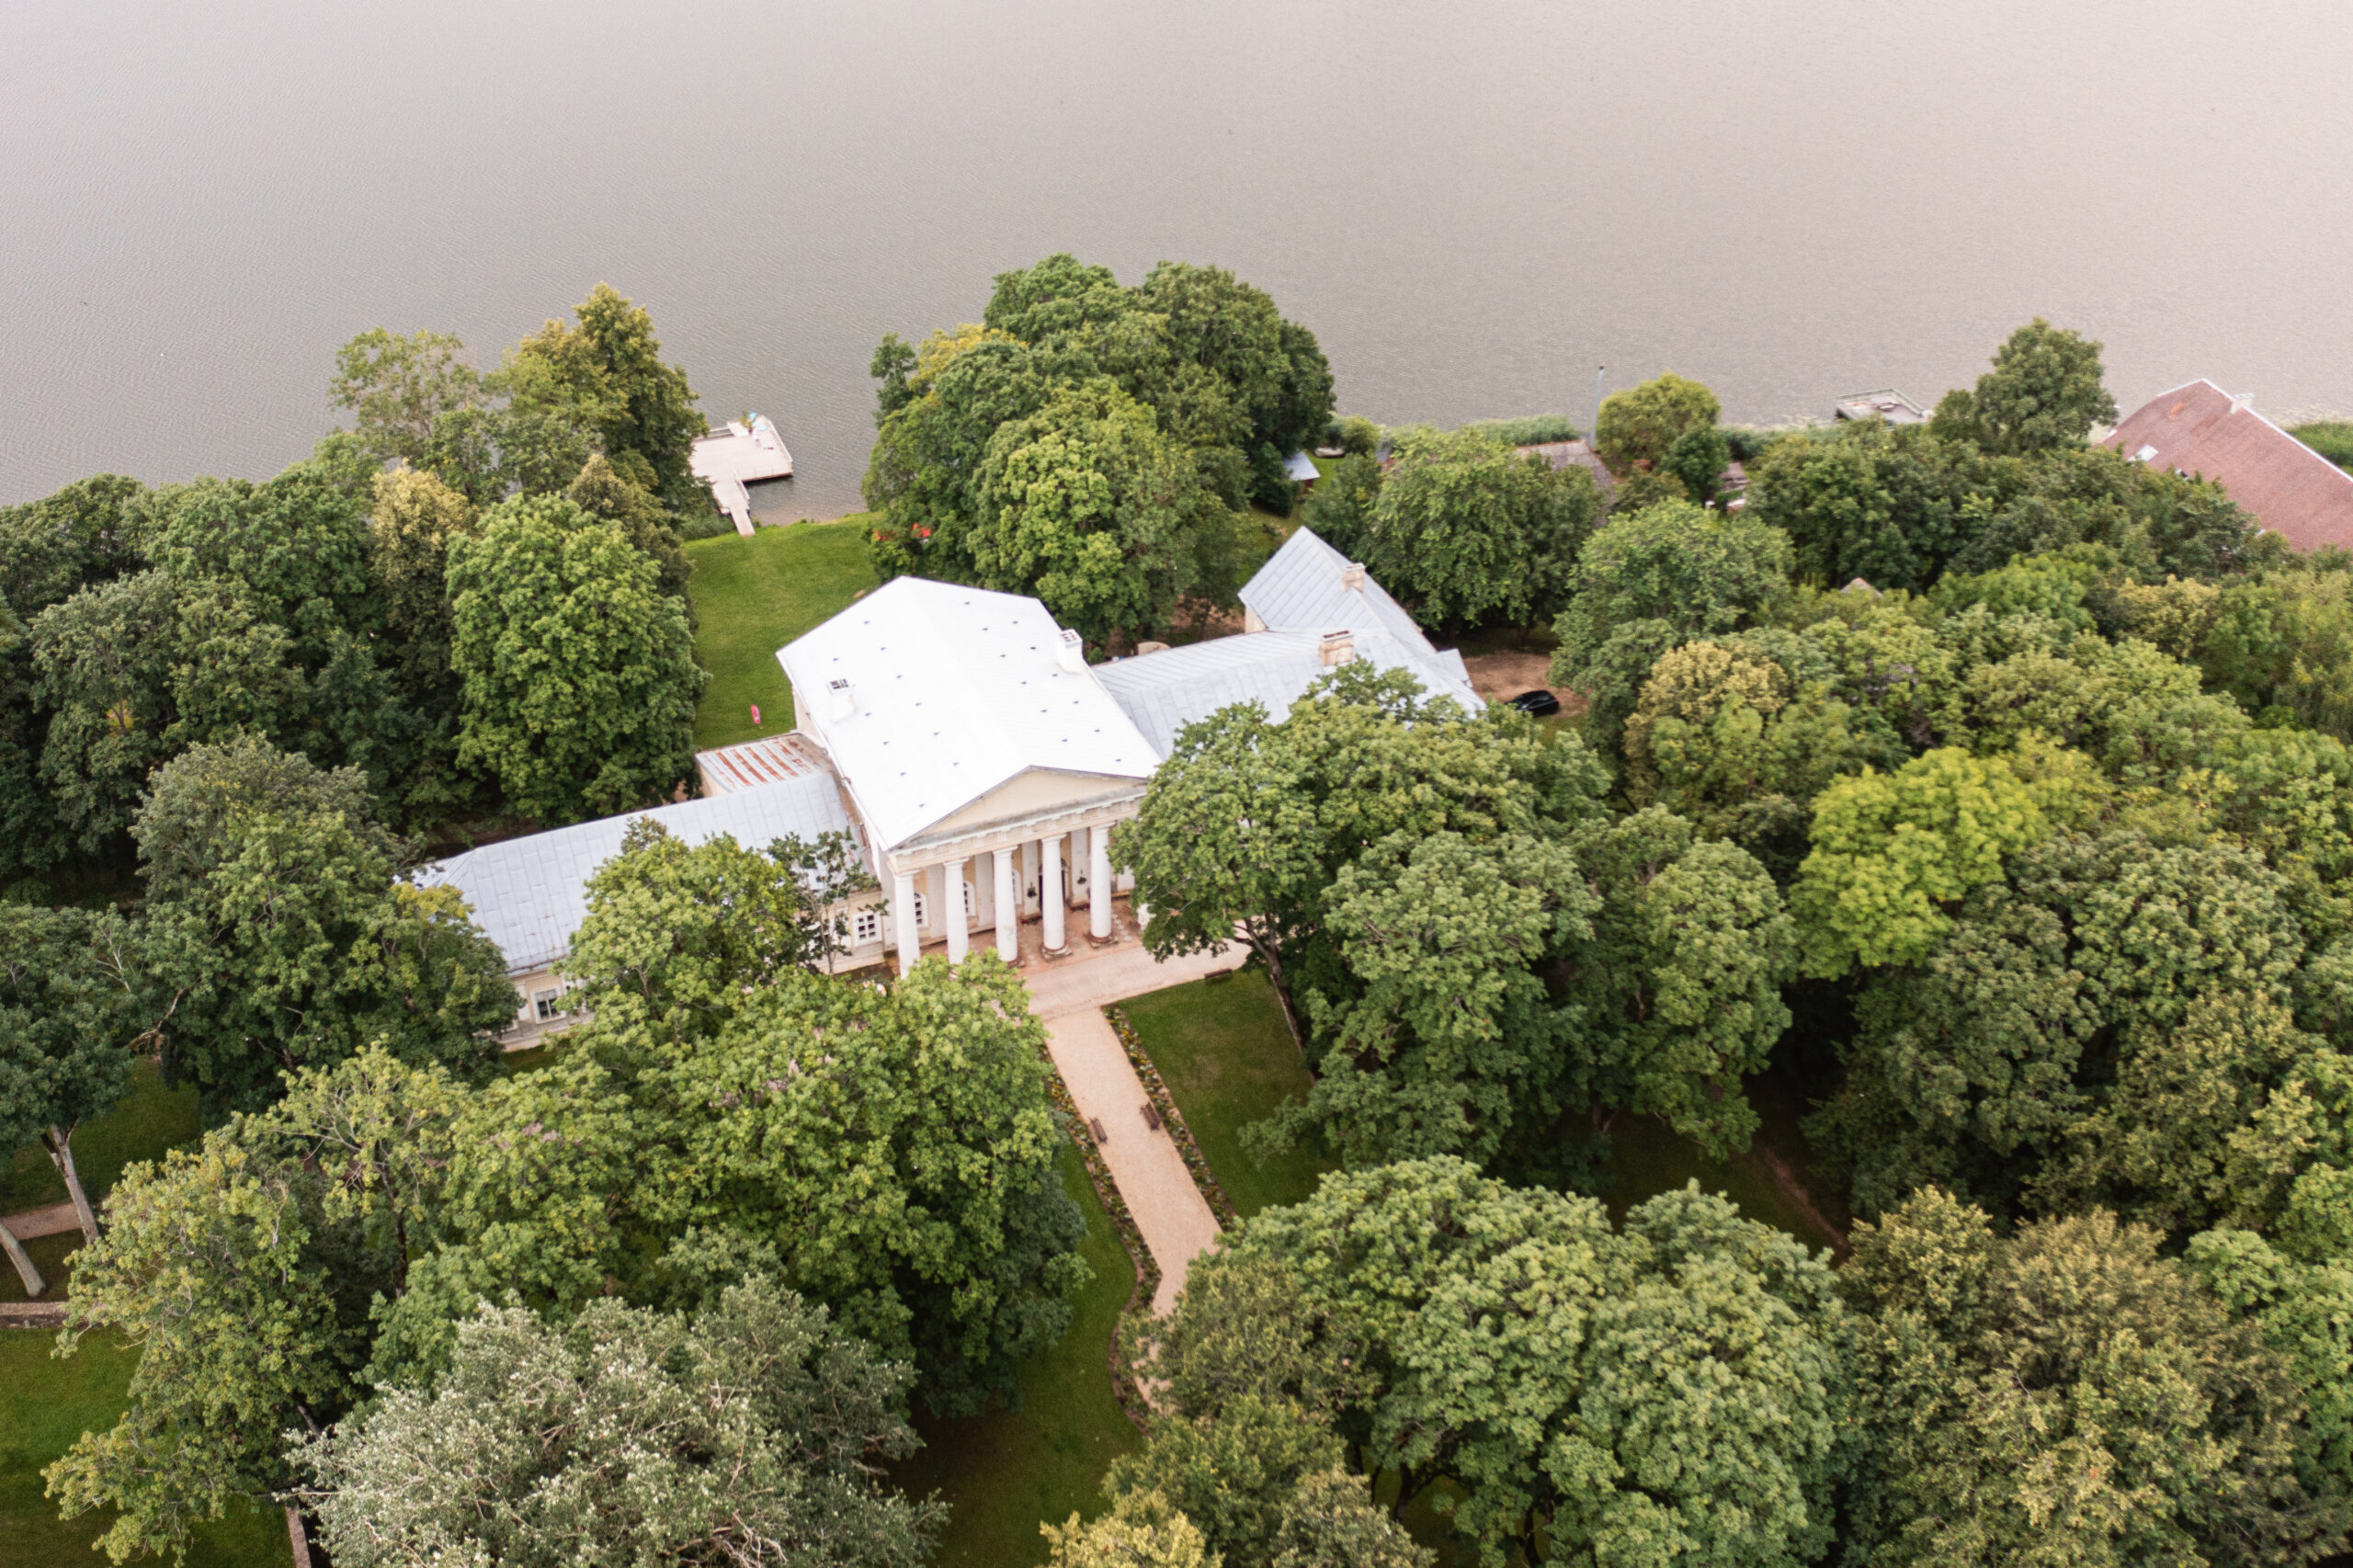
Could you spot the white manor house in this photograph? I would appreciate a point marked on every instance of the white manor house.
(976, 758)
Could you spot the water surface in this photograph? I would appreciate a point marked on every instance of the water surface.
(1472, 204)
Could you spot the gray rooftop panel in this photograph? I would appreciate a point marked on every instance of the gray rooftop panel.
(531, 894)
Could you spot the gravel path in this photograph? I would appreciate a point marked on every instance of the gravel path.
(1069, 998)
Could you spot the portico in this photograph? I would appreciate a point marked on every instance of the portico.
(982, 758)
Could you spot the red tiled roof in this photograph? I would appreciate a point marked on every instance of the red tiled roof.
(2200, 429)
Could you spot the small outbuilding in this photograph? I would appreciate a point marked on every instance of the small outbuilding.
(1887, 405)
(1301, 470)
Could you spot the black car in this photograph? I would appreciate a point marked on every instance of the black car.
(1536, 703)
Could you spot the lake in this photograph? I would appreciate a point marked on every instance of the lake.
(1473, 205)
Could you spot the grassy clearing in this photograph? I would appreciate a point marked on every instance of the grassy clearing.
(1003, 1473)
(752, 596)
(1228, 1059)
(45, 1404)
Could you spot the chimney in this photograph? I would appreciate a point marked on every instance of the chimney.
(1072, 654)
(2242, 401)
(1352, 577)
(841, 701)
(1338, 648)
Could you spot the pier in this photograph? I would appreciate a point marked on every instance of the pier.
(739, 455)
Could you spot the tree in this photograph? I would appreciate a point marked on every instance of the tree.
(1638, 426)
(2297, 1290)
(2043, 392)
(579, 675)
(84, 535)
(752, 1432)
(1087, 505)
(2066, 1395)
(136, 670)
(68, 1013)
(1277, 372)
(398, 386)
(676, 934)
(1141, 1531)
(1440, 1037)
(276, 936)
(219, 1267)
(899, 1151)
(1339, 510)
(1506, 1338)
(1415, 970)
(1649, 580)
(1698, 458)
(2072, 1002)
(600, 489)
(1891, 850)
(1681, 978)
(1466, 532)
(612, 361)
(1891, 504)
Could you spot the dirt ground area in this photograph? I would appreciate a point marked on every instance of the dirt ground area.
(1505, 676)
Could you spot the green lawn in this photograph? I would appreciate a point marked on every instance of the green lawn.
(45, 1404)
(149, 1121)
(752, 596)
(1228, 1059)
(1003, 1473)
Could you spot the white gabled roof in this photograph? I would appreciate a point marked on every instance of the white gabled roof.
(1303, 587)
(957, 691)
(1302, 468)
(531, 894)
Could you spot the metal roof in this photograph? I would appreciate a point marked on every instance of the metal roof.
(953, 690)
(2291, 490)
(1302, 468)
(531, 894)
(1165, 691)
(1303, 587)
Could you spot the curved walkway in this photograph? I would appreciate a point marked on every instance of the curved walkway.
(1068, 997)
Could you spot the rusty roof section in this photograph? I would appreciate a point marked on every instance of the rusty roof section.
(770, 760)
(2200, 429)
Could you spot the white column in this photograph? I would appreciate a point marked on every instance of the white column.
(902, 921)
(1009, 908)
(1049, 890)
(959, 932)
(1099, 883)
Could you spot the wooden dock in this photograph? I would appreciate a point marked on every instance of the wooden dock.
(739, 455)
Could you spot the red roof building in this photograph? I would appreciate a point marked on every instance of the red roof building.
(2200, 429)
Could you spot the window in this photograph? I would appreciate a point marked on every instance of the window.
(969, 912)
(867, 927)
(922, 912)
(547, 1004)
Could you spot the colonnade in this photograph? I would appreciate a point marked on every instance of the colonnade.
(1006, 899)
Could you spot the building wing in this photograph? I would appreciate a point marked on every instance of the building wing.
(531, 894)
(2200, 429)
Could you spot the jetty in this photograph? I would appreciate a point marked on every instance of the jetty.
(741, 454)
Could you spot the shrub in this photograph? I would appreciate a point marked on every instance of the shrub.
(2332, 438)
(1533, 431)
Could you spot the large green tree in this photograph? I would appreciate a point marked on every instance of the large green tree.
(1640, 426)
(752, 1432)
(1650, 580)
(2066, 1395)
(1509, 1340)
(1085, 504)
(2044, 391)
(1466, 532)
(69, 1013)
(676, 932)
(579, 673)
(276, 936)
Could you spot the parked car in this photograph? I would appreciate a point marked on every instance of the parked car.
(1536, 703)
